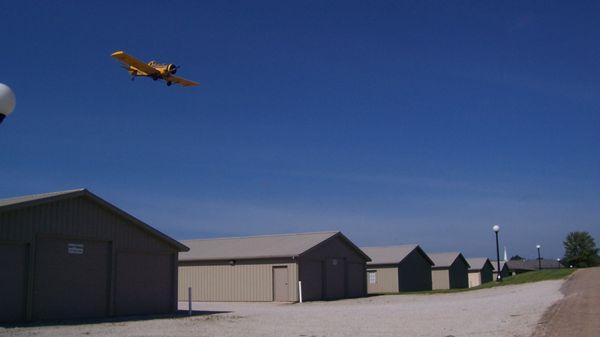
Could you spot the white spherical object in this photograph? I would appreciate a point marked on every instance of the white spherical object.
(7, 100)
(538, 246)
(496, 228)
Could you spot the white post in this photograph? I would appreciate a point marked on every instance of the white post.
(300, 290)
(190, 301)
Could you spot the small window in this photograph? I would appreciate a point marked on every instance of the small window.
(372, 277)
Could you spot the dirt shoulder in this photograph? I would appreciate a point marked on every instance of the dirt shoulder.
(578, 313)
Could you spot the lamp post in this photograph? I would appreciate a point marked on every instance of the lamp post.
(539, 257)
(496, 229)
(7, 101)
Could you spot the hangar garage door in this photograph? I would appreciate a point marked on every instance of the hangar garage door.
(355, 274)
(139, 275)
(13, 276)
(335, 278)
(71, 278)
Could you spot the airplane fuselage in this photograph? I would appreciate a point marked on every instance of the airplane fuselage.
(164, 69)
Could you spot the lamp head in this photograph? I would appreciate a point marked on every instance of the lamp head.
(538, 246)
(7, 101)
(496, 228)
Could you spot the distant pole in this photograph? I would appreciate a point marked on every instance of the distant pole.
(496, 229)
(300, 290)
(539, 257)
(189, 301)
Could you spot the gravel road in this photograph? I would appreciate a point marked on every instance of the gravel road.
(578, 313)
(511, 311)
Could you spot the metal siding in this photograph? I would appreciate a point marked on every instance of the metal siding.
(71, 285)
(335, 248)
(337, 283)
(311, 275)
(356, 282)
(79, 218)
(13, 273)
(246, 281)
(474, 279)
(386, 279)
(144, 283)
(335, 278)
(487, 274)
(440, 279)
(504, 271)
(414, 273)
(459, 274)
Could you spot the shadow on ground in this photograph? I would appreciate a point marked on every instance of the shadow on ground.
(177, 315)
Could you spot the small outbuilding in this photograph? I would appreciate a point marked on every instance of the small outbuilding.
(504, 270)
(281, 268)
(480, 272)
(71, 254)
(449, 271)
(397, 268)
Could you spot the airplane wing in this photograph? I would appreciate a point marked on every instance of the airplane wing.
(132, 61)
(181, 81)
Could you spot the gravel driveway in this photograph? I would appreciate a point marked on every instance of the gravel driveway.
(503, 311)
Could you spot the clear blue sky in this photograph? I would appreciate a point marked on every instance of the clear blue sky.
(395, 122)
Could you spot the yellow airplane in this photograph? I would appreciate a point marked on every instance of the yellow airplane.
(152, 69)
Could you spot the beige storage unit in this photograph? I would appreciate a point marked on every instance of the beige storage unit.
(70, 254)
(450, 271)
(269, 268)
(397, 268)
(239, 280)
(480, 271)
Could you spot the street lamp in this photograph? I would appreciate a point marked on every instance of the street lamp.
(7, 101)
(496, 229)
(539, 257)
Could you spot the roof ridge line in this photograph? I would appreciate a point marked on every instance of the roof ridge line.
(38, 197)
(260, 236)
(42, 195)
(402, 245)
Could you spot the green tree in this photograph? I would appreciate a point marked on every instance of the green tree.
(580, 250)
(516, 258)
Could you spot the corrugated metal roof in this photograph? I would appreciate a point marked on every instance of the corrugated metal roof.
(34, 199)
(391, 254)
(477, 263)
(445, 260)
(254, 247)
(533, 264)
